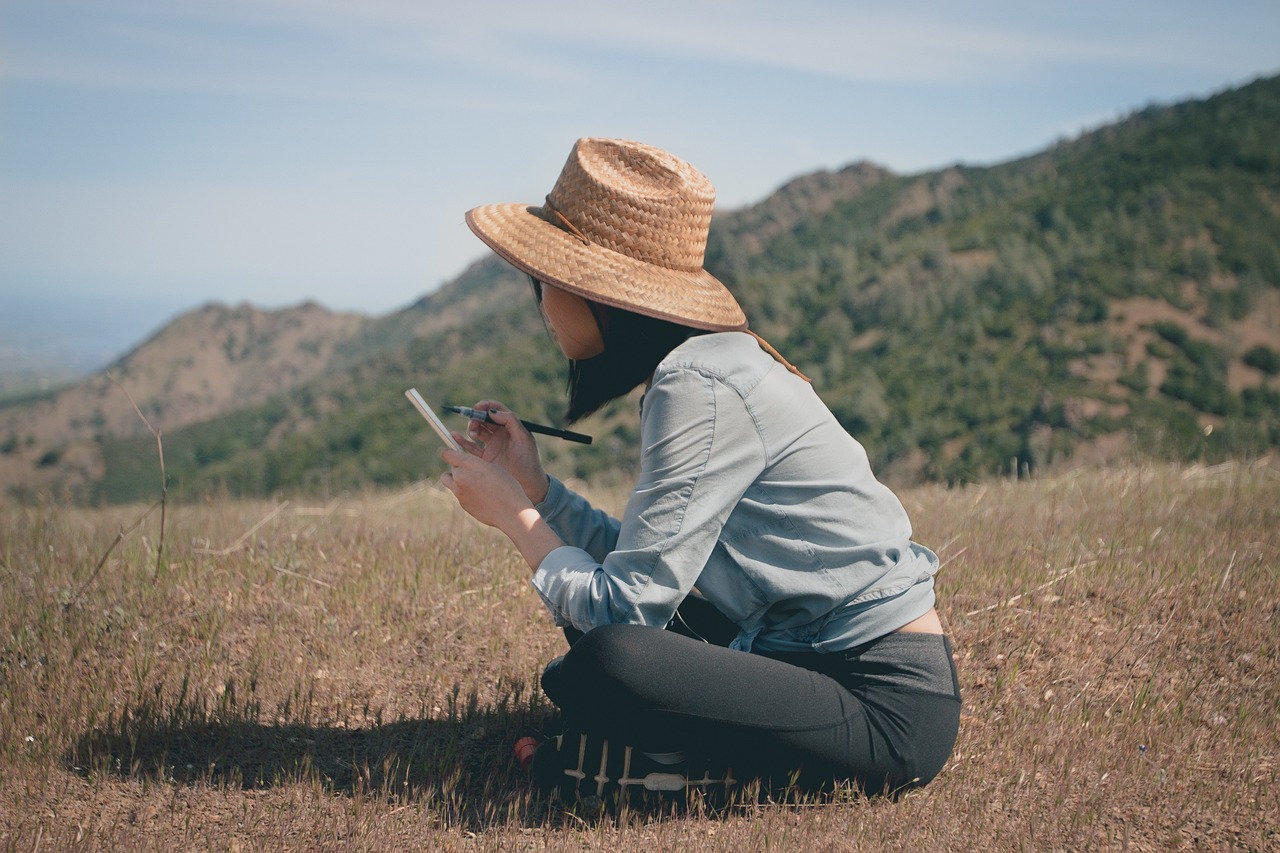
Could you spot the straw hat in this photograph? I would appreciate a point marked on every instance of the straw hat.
(626, 225)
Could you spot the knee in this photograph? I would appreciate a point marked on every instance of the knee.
(552, 678)
(607, 673)
(608, 651)
(621, 660)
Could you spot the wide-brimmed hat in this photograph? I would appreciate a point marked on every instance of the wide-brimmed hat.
(626, 225)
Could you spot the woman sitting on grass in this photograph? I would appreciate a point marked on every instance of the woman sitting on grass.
(759, 611)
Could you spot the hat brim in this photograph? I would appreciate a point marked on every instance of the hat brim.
(523, 238)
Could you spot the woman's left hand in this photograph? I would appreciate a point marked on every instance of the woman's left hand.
(491, 495)
(486, 490)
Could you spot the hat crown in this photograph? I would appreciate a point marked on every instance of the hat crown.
(635, 200)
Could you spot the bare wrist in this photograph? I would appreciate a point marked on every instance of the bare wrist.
(532, 537)
(538, 493)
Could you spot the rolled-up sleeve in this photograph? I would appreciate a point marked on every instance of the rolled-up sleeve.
(577, 522)
(700, 451)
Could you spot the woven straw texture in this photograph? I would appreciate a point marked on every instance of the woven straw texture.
(626, 224)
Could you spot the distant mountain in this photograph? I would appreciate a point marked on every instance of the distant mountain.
(203, 364)
(1115, 295)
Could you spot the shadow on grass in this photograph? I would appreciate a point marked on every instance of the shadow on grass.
(462, 761)
(461, 764)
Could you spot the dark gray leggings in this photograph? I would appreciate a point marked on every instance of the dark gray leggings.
(884, 715)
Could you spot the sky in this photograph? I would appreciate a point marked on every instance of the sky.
(156, 155)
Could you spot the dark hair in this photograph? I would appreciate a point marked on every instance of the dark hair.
(633, 346)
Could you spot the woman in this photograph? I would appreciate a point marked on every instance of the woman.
(803, 644)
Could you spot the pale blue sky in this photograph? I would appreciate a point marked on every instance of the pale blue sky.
(165, 153)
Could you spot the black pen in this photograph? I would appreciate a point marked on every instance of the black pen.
(477, 415)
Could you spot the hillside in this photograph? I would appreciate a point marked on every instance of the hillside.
(201, 365)
(1117, 295)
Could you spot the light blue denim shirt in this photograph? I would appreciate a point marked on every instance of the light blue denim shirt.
(750, 489)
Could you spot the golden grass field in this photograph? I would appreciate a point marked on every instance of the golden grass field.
(353, 676)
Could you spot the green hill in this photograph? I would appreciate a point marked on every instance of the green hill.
(1115, 295)
(1120, 289)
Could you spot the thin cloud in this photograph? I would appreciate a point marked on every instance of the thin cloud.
(322, 48)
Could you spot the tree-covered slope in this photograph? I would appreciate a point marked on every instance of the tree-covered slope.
(1120, 289)
(1117, 294)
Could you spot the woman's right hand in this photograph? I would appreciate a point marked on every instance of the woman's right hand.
(510, 445)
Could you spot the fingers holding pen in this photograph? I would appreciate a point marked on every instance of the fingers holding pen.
(496, 434)
(483, 430)
(499, 415)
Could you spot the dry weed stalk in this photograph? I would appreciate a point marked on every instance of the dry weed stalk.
(282, 570)
(1061, 576)
(239, 543)
(124, 531)
(161, 504)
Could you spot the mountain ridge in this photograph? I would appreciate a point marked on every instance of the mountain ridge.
(1112, 294)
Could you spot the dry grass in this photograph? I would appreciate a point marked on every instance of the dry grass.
(353, 676)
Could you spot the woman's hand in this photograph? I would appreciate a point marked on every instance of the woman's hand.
(484, 488)
(492, 496)
(509, 444)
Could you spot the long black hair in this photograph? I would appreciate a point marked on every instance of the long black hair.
(633, 346)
